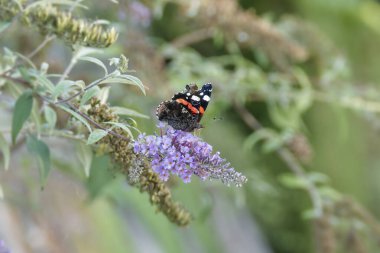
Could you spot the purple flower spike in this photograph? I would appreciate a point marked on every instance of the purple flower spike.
(183, 154)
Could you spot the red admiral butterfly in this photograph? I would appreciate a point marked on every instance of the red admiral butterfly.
(185, 110)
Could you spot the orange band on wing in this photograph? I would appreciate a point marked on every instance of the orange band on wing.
(192, 109)
(188, 105)
(201, 110)
(182, 101)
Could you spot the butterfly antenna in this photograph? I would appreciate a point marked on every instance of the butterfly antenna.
(217, 118)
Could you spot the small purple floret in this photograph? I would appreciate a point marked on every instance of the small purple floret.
(183, 154)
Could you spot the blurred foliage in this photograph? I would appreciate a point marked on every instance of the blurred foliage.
(295, 108)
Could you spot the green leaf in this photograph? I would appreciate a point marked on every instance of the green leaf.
(271, 139)
(96, 135)
(90, 93)
(9, 57)
(35, 117)
(293, 182)
(84, 51)
(329, 192)
(80, 84)
(103, 94)
(132, 123)
(284, 116)
(77, 116)
(57, 2)
(85, 155)
(311, 214)
(116, 79)
(272, 144)
(50, 116)
(4, 146)
(305, 98)
(95, 61)
(134, 81)
(134, 128)
(41, 151)
(257, 136)
(26, 59)
(122, 126)
(42, 80)
(61, 88)
(123, 80)
(21, 112)
(317, 177)
(129, 112)
(100, 175)
(24, 74)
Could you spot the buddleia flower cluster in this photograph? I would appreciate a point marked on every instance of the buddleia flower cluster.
(175, 152)
(72, 30)
(51, 20)
(136, 167)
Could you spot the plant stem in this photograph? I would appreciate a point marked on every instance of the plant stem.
(47, 39)
(287, 157)
(93, 84)
(69, 67)
(70, 106)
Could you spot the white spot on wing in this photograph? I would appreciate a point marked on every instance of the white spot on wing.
(206, 98)
(195, 98)
(188, 94)
(201, 93)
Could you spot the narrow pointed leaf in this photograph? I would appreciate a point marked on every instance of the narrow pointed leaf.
(26, 59)
(62, 88)
(50, 116)
(85, 156)
(42, 80)
(25, 74)
(126, 79)
(128, 112)
(257, 136)
(135, 81)
(41, 151)
(96, 135)
(122, 126)
(21, 112)
(77, 116)
(89, 94)
(95, 61)
(100, 175)
(60, 2)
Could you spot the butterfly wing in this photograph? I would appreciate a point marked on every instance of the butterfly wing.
(193, 103)
(189, 98)
(204, 95)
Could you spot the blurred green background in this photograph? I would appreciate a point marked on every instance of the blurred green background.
(256, 54)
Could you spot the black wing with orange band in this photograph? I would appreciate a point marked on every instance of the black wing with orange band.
(194, 100)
